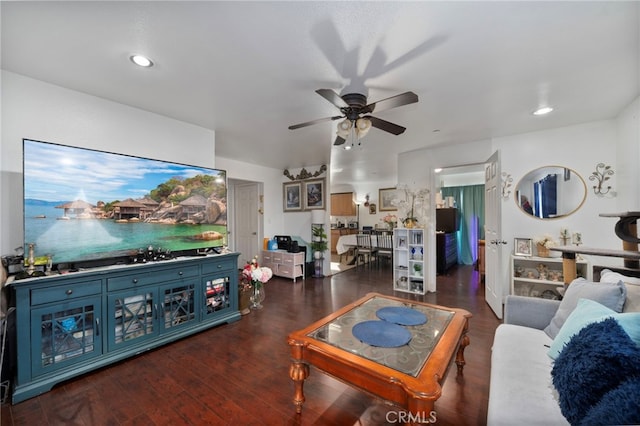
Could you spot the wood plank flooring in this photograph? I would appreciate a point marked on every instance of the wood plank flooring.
(237, 374)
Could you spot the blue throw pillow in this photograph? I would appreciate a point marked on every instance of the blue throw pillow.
(620, 406)
(588, 312)
(594, 362)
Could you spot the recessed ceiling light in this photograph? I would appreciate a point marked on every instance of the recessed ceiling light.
(542, 111)
(142, 61)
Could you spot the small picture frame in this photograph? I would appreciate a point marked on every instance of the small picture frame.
(385, 196)
(292, 196)
(522, 247)
(372, 208)
(314, 194)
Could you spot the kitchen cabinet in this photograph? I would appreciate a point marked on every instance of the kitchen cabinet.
(68, 325)
(342, 204)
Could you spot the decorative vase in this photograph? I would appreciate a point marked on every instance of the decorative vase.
(542, 250)
(258, 295)
(244, 300)
(410, 222)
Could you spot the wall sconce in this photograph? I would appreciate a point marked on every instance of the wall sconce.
(601, 175)
(506, 184)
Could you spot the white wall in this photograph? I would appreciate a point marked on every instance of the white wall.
(37, 110)
(41, 111)
(628, 148)
(272, 190)
(416, 170)
(581, 147)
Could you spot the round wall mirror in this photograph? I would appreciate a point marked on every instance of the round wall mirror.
(550, 192)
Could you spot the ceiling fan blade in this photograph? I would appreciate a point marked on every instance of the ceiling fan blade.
(392, 102)
(332, 97)
(339, 141)
(319, 120)
(386, 126)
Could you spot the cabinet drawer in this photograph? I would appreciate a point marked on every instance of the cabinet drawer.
(285, 270)
(134, 280)
(291, 259)
(65, 292)
(221, 265)
(267, 257)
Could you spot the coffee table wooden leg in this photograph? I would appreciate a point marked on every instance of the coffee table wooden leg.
(298, 371)
(464, 342)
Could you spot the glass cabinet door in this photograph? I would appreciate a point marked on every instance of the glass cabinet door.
(177, 305)
(217, 295)
(131, 316)
(64, 334)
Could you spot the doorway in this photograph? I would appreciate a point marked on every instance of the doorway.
(247, 227)
(465, 184)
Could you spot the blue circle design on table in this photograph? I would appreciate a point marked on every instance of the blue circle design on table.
(381, 333)
(401, 315)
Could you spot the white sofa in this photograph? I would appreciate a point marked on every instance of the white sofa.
(521, 387)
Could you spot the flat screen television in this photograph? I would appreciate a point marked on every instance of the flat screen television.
(83, 205)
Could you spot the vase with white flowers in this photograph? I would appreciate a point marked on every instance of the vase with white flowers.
(258, 276)
(412, 206)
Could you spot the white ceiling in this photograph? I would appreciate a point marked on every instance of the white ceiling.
(248, 70)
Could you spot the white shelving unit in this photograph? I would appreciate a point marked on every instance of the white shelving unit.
(409, 253)
(527, 279)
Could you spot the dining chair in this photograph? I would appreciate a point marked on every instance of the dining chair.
(364, 249)
(384, 244)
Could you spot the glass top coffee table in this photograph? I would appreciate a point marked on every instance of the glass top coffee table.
(407, 374)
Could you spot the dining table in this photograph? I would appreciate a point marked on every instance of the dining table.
(347, 242)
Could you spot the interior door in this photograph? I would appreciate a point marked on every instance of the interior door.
(493, 289)
(247, 226)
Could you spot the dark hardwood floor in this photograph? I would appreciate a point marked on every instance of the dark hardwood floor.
(237, 374)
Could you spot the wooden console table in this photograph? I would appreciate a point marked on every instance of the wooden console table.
(627, 230)
(569, 257)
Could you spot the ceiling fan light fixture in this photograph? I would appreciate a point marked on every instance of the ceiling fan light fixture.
(345, 125)
(362, 127)
(344, 128)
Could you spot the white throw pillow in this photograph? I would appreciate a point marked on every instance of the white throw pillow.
(632, 304)
(611, 295)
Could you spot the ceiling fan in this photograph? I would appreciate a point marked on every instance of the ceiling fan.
(355, 110)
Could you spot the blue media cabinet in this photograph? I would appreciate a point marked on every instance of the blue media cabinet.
(70, 324)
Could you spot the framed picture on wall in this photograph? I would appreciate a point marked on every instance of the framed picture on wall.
(292, 196)
(314, 194)
(385, 196)
(372, 208)
(522, 247)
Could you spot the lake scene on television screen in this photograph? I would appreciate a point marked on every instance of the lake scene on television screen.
(82, 204)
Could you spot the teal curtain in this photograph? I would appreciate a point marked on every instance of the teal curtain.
(470, 203)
